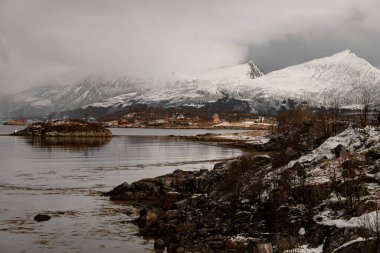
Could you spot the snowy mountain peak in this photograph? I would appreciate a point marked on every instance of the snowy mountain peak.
(346, 57)
(244, 71)
(317, 82)
(254, 70)
(314, 80)
(346, 53)
(339, 63)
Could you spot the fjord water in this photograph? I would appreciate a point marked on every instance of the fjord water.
(63, 178)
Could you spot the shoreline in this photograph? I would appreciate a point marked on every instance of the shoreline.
(264, 202)
(159, 206)
(71, 180)
(200, 128)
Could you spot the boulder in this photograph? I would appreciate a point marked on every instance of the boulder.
(374, 154)
(42, 217)
(148, 217)
(290, 152)
(339, 151)
(159, 244)
(171, 214)
(262, 248)
(180, 204)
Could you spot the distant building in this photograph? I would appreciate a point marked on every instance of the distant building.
(112, 123)
(127, 119)
(131, 117)
(158, 122)
(215, 118)
(173, 117)
(123, 121)
(177, 116)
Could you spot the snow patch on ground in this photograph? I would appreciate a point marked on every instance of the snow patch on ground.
(352, 139)
(245, 138)
(305, 249)
(368, 220)
(241, 238)
(359, 239)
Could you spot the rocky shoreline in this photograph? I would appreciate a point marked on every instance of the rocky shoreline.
(182, 213)
(249, 140)
(307, 196)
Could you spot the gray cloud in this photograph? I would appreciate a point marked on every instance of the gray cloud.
(41, 40)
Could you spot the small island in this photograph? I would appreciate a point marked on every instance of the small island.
(16, 122)
(65, 128)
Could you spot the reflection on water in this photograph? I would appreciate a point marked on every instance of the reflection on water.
(167, 132)
(72, 143)
(61, 178)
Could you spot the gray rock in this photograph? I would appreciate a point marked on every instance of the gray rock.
(262, 248)
(171, 214)
(181, 204)
(374, 154)
(159, 244)
(339, 151)
(148, 217)
(42, 217)
(290, 152)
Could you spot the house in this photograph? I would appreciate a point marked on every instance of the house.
(127, 119)
(112, 123)
(131, 117)
(158, 122)
(177, 116)
(123, 120)
(180, 116)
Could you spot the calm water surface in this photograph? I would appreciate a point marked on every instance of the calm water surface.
(63, 177)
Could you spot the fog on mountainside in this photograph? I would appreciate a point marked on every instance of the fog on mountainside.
(315, 82)
(41, 41)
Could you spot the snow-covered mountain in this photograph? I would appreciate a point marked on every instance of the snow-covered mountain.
(341, 76)
(43, 100)
(40, 101)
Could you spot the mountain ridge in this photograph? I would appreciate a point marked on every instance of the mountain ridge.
(315, 81)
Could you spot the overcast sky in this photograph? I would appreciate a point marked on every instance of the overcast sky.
(42, 40)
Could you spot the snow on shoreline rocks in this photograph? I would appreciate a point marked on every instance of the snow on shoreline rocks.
(324, 201)
(352, 139)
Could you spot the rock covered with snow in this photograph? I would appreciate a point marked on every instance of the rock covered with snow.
(352, 139)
